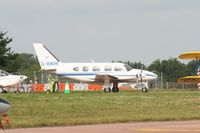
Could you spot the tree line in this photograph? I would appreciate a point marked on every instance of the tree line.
(20, 63)
(26, 64)
(171, 69)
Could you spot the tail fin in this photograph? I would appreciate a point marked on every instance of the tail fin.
(46, 59)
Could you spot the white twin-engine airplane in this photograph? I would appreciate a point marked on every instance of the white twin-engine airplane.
(7, 79)
(108, 73)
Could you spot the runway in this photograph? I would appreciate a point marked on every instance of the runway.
(138, 127)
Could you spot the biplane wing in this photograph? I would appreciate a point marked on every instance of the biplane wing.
(189, 79)
(190, 56)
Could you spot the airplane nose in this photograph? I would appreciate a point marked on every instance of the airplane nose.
(4, 106)
(155, 76)
(22, 78)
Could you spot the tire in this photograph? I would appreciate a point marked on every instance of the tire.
(144, 89)
(4, 91)
(107, 89)
(48, 91)
(115, 89)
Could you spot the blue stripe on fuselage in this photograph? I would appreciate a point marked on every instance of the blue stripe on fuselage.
(94, 74)
(77, 74)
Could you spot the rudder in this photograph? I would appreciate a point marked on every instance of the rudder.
(46, 59)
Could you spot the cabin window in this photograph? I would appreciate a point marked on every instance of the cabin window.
(118, 69)
(96, 68)
(76, 69)
(108, 68)
(85, 68)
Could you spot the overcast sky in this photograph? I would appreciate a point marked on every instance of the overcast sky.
(104, 30)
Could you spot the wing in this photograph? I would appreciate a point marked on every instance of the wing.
(190, 55)
(190, 79)
(103, 77)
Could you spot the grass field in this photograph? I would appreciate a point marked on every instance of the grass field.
(40, 109)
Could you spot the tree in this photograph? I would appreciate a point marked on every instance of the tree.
(172, 69)
(192, 67)
(26, 63)
(5, 52)
(136, 65)
(155, 66)
(14, 62)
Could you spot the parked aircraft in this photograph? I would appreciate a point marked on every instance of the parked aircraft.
(108, 73)
(7, 79)
(4, 107)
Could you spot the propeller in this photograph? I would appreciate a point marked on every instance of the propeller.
(141, 80)
(140, 75)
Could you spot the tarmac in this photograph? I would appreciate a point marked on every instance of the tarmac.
(136, 127)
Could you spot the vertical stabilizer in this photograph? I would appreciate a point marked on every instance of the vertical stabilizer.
(46, 59)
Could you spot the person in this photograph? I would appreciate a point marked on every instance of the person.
(30, 86)
(52, 83)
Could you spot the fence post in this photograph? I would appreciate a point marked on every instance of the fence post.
(167, 85)
(161, 80)
(34, 80)
(42, 77)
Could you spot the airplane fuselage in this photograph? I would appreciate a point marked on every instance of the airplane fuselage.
(88, 71)
(106, 73)
(7, 79)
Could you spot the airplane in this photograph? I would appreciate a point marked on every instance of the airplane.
(190, 79)
(4, 107)
(110, 74)
(7, 79)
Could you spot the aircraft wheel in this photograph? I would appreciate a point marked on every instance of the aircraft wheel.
(107, 89)
(115, 89)
(4, 91)
(144, 89)
(48, 91)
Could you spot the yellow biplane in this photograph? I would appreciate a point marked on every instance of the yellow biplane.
(190, 56)
(189, 79)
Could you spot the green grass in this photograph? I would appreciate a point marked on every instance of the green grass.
(77, 108)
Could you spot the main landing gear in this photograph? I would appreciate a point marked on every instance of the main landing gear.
(144, 89)
(108, 89)
(115, 88)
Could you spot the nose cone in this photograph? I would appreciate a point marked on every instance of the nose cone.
(154, 76)
(150, 75)
(22, 78)
(4, 106)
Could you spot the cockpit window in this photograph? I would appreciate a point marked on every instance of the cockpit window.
(4, 73)
(128, 68)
